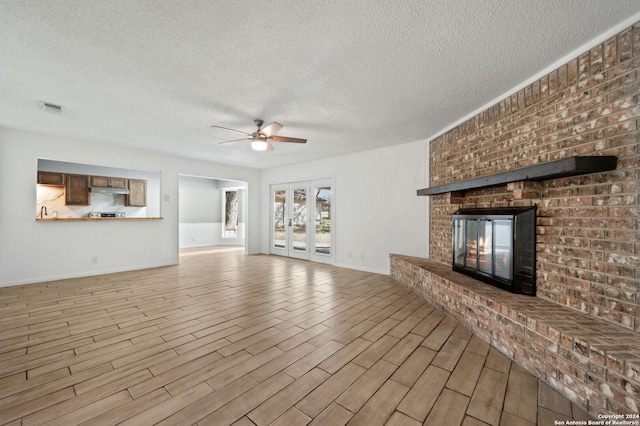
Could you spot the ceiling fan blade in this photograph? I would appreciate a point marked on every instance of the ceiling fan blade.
(232, 130)
(269, 146)
(236, 140)
(287, 139)
(271, 129)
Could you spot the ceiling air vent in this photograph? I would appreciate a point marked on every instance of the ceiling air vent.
(52, 108)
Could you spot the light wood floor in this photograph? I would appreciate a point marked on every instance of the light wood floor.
(225, 338)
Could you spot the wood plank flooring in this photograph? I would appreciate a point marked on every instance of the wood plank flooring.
(225, 338)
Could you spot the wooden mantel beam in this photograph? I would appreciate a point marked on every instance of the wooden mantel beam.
(572, 166)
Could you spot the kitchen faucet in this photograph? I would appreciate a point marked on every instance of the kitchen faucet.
(45, 211)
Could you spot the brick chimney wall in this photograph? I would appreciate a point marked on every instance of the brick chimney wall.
(588, 235)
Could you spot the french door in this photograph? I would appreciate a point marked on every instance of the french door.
(301, 220)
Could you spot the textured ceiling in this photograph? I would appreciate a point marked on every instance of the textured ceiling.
(348, 75)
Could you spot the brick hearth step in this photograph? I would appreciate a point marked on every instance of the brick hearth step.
(594, 363)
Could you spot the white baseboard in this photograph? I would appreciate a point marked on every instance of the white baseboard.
(82, 274)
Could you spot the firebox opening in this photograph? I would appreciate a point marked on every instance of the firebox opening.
(497, 246)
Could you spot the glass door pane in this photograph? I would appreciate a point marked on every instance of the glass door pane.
(459, 243)
(485, 246)
(278, 236)
(322, 238)
(503, 249)
(299, 220)
(471, 244)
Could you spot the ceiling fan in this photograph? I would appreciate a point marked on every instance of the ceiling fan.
(261, 139)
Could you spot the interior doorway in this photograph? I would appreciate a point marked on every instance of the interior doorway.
(212, 212)
(301, 220)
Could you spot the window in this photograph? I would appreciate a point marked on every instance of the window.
(230, 205)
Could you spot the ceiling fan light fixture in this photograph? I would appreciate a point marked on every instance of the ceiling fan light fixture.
(259, 144)
(262, 138)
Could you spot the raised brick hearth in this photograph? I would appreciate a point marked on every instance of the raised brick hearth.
(594, 363)
(581, 332)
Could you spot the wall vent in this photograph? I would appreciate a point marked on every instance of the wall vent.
(52, 108)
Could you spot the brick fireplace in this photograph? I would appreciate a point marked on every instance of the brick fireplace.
(581, 332)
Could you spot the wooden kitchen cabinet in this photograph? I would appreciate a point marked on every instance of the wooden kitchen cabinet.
(99, 181)
(50, 178)
(77, 190)
(137, 196)
(119, 182)
(108, 182)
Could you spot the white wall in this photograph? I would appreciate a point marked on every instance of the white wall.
(33, 251)
(199, 209)
(377, 211)
(201, 212)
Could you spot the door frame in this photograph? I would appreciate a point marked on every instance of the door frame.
(288, 216)
(310, 252)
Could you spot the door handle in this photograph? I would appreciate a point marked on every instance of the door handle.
(289, 222)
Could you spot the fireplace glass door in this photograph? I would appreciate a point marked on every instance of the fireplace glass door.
(484, 248)
(485, 245)
(496, 246)
(503, 249)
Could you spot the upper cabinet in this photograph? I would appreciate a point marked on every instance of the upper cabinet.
(108, 182)
(77, 190)
(50, 178)
(137, 196)
(77, 187)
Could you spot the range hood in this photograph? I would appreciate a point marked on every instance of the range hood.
(103, 190)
